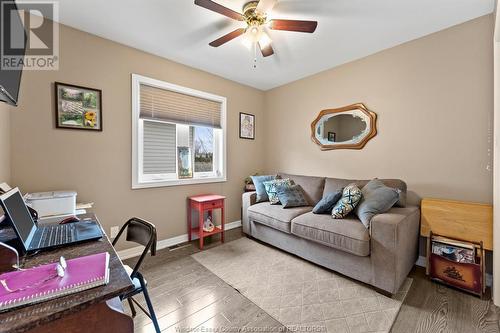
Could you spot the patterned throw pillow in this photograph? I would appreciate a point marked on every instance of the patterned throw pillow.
(291, 196)
(271, 189)
(350, 198)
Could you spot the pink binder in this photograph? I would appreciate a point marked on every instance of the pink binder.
(81, 274)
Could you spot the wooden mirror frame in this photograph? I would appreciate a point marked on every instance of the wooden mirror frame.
(358, 106)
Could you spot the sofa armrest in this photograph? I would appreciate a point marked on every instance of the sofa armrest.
(248, 199)
(394, 246)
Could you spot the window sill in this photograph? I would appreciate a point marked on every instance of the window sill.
(177, 182)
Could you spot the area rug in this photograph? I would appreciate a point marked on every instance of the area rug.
(299, 294)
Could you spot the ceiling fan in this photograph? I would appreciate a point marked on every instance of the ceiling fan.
(255, 16)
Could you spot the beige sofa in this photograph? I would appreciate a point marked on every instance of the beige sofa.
(381, 256)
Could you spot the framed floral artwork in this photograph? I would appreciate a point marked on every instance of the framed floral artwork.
(247, 126)
(78, 107)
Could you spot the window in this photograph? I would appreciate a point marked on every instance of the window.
(203, 143)
(178, 135)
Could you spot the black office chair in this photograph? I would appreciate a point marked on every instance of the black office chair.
(143, 233)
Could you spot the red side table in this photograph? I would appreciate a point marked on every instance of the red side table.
(202, 203)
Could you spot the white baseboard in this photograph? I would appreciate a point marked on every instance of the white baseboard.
(164, 243)
(422, 262)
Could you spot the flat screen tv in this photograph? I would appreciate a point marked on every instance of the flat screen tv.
(10, 79)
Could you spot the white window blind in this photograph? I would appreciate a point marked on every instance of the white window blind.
(159, 152)
(165, 105)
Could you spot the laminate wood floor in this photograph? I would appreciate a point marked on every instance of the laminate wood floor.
(186, 295)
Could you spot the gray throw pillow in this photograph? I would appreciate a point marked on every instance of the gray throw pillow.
(377, 199)
(325, 205)
(291, 196)
(260, 189)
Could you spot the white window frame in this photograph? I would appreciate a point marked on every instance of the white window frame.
(137, 136)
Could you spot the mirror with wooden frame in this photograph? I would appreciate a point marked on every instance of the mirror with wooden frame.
(348, 127)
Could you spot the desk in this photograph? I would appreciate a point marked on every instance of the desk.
(86, 311)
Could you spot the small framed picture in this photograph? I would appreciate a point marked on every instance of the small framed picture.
(331, 136)
(247, 126)
(78, 107)
(184, 162)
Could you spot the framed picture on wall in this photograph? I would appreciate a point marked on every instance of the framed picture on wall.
(78, 107)
(247, 126)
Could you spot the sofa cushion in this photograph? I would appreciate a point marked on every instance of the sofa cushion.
(347, 234)
(258, 181)
(350, 198)
(325, 205)
(275, 216)
(334, 184)
(271, 187)
(291, 196)
(312, 186)
(377, 199)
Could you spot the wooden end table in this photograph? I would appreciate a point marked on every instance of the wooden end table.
(465, 222)
(202, 203)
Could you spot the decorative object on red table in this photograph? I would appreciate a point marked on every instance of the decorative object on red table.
(201, 204)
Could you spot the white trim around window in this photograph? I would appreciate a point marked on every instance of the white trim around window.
(219, 155)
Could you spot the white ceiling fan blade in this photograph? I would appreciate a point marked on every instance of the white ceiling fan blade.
(265, 6)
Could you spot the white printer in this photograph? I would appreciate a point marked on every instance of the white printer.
(52, 203)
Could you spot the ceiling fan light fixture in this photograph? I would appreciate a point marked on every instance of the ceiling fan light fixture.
(247, 41)
(250, 38)
(265, 40)
(255, 14)
(254, 33)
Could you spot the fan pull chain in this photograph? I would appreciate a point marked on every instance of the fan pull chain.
(254, 55)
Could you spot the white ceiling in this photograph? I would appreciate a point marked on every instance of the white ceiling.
(347, 30)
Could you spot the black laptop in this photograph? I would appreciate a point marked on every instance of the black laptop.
(35, 237)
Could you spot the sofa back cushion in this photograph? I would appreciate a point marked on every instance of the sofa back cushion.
(335, 184)
(312, 186)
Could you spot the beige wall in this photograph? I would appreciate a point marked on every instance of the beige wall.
(5, 111)
(98, 165)
(434, 100)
